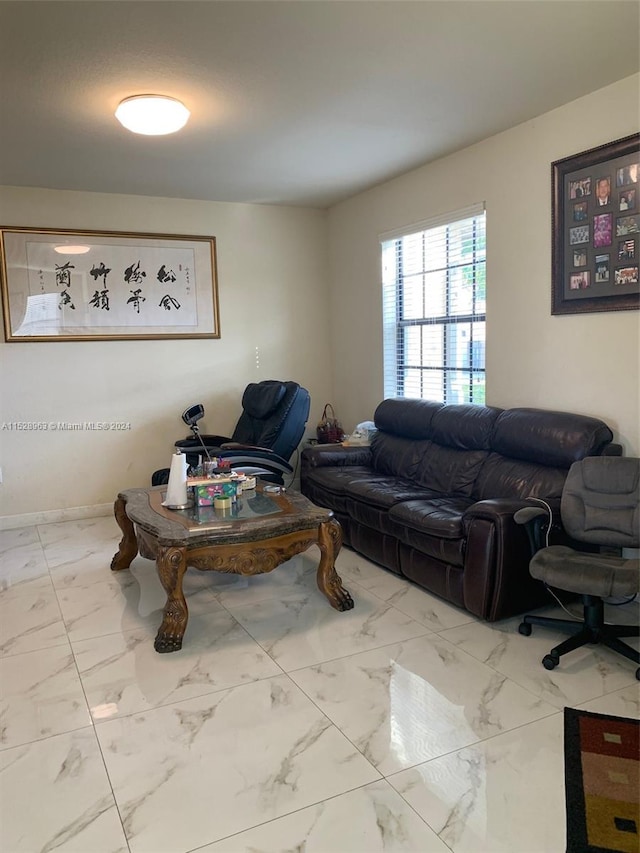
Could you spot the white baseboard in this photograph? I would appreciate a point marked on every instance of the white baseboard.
(49, 516)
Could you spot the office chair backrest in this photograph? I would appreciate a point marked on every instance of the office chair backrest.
(601, 501)
(274, 416)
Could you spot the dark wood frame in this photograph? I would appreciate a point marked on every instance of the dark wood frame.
(594, 163)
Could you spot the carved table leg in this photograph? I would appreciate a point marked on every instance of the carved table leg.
(329, 582)
(128, 547)
(171, 563)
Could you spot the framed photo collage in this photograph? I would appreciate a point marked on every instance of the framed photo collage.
(596, 229)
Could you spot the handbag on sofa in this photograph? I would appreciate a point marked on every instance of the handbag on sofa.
(329, 429)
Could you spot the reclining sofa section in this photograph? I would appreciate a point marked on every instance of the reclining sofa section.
(433, 497)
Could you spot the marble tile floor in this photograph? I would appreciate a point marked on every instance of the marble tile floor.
(282, 725)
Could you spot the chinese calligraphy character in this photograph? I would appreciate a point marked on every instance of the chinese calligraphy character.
(65, 299)
(63, 274)
(165, 275)
(167, 301)
(101, 299)
(133, 274)
(100, 272)
(136, 299)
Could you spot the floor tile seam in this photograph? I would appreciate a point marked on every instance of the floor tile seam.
(416, 812)
(602, 695)
(56, 645)
(474, 744)
(382, 600)
(97, 739)
(497, 671)
(337, 727)
(422, 818)
(12, 592)
(255, 640)
(82, 687)
(592, 649)
(58, 569)
(64, 621)
(100, 723)
(34, 651)
(296, 596)
(520, 683)
(44, 738)
(110, 783)
(93, 551)
(411, 616)
(86, 699)
(304, 808)
(125, 715)
(357, 653)
(471, 621)
(418, 620)
(419, 763)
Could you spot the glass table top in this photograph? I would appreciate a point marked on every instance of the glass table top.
(254, 514)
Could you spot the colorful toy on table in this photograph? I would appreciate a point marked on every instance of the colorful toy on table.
(205, 489)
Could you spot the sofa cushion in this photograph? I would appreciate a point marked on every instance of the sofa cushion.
(556, 438)
(446, 551)
(465, 427)
(511, 478)
(336, 479)
(433, 527)
(406, 417)
(449, 471)
(326, 486)
(384, 492)
(398, 456)
(438, 516)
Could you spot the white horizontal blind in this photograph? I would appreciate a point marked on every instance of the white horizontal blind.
(434, 308)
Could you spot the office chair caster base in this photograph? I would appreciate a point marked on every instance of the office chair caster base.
(550, 661)
(525, 629)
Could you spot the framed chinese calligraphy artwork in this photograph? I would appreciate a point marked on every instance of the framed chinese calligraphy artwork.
(106, 285)
(596, 229)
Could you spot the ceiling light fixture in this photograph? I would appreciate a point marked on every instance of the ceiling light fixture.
(72, 250)
(152, 115)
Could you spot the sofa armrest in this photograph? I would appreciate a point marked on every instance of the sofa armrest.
(496, 581)
(321, 455)
(499, 509)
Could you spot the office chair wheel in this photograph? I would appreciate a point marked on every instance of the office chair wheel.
(549, 662)
(525, 629)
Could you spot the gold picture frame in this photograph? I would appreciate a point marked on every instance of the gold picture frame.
(66, 285)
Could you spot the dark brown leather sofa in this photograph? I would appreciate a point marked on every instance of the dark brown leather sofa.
(433, 497)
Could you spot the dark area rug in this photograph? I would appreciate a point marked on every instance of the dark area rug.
(602, 782)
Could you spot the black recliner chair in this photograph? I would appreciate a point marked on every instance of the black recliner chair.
(270, 428)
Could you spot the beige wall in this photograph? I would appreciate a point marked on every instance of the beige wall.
(588, 363)
(277, 293)
(272, 270)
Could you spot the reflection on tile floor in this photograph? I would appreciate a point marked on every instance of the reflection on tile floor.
(402, 725)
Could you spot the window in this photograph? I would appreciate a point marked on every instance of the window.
(434, 309)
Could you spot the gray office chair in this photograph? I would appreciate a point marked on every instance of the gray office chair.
(600, 506)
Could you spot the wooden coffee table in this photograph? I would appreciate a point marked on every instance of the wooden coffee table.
(262, 531)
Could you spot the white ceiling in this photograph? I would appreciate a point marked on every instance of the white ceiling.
(301, 102)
